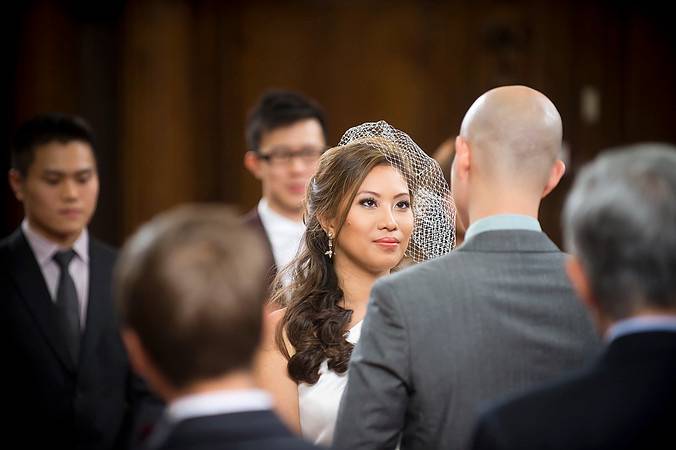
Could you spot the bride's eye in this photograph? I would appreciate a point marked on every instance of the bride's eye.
(368, 202)
(403, 204)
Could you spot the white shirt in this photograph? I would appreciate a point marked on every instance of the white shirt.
(218, 402)
(284, 234)
(44, 250)
(318, 403)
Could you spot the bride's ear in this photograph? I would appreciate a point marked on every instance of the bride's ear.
(327, 225)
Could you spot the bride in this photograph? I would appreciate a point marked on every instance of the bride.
(375, 197)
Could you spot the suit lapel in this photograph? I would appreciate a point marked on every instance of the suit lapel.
(33, 290)
(99, 279)
(253, 219)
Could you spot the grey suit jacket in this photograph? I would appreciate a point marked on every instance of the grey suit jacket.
(496, 316)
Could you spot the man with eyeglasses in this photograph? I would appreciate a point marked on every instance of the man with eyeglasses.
(286, 135)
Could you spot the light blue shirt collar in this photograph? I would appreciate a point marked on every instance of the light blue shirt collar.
(657, 322)
(502, 222)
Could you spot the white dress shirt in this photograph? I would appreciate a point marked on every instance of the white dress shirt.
(218, 402)
(284, 234)
(44, 250)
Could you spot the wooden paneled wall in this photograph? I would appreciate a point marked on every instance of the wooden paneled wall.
(168, 84)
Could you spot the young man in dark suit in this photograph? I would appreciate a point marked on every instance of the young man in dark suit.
(620, 226)
(286, 135)
(191, 294)
(67, 378)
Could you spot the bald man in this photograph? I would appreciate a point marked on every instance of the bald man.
(494, 317)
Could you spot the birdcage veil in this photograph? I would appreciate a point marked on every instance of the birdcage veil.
(433, 209)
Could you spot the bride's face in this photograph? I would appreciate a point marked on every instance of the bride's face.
(378, 226)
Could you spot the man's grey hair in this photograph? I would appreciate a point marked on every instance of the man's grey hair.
(620, 221)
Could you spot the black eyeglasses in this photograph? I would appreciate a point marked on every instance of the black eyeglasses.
(281, 156)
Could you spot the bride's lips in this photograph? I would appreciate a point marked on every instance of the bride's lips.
(387, 242)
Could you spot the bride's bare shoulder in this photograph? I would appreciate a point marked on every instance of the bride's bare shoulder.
(271, 322)
(276, 315)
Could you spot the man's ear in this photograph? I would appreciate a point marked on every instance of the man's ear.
(16, 183)
(580, 282)
(462, 160)
(555, 174)
(137, 354)
(143, 365)
(253, 163)
(582, 287)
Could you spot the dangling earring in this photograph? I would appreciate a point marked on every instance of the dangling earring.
(329, 252)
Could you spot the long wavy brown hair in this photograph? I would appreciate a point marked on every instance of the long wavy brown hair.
(314, 323)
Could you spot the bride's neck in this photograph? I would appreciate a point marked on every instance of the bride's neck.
(356, 286)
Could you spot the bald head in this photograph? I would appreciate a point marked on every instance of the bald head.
(513, 130)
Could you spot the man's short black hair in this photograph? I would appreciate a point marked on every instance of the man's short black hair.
(278, 108)
(43, 129)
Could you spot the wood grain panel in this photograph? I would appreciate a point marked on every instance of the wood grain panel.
(189, 71)
(158, 147)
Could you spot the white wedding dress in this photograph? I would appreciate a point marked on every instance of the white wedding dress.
(318, 403)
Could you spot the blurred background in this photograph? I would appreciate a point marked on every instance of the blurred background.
(167, 84)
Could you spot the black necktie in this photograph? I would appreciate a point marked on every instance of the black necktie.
(67, 304)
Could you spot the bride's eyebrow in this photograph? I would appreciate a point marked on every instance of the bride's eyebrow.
(369, 192)
(375, 194)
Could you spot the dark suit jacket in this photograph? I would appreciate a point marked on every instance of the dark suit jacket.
(253, 430)
(253, 220)
(495, 316)
(49, 403)
(626, 400)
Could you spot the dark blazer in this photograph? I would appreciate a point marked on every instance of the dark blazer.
(49, 402)
(495, 316)
(252, 430)
(253, 221)
(626, 400)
